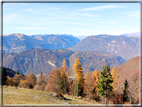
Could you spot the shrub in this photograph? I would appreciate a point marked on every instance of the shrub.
(23, 84)
(9, 81)
(41, 79)
(46, 88)
(31, 79)
(117, 98)
(40, 87)
(16, 79)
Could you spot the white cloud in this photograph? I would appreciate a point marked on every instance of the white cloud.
(100, 8)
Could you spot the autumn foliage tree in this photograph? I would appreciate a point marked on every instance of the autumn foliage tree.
(52, 82)
(9, 81)
(40, 83)
(95, 79)
(59, 80)
(79, 76)
(31, 79)
(23, 84)
(16, 79)
(64, 79)
(88, 85)
(115, 78)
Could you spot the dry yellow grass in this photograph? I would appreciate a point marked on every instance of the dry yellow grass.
(11, 95)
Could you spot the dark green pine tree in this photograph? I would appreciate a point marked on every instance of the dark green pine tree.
(17, 72)
(4, 74)
(125, 97)
(105, 83)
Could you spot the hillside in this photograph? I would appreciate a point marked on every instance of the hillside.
(44, 60)
(36, 60)
(130, 71)
(126, 47)
(10, 72)
(17, 42)
(95, 59)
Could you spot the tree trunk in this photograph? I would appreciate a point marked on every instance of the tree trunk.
(105, 100)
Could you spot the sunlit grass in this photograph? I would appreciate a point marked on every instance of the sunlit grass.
(11, 95)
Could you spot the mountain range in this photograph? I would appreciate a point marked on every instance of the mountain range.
(124, 46)
(44, 60)
(18, 42)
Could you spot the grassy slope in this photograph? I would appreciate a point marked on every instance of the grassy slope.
(11, 95)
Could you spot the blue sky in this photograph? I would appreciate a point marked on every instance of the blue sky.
(71, 18)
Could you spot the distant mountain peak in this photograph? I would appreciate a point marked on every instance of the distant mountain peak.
(53, 35)
(15, 34)
(133, 34)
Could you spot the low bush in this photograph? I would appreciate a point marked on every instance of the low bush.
(23, 84)
(117, 98)
(9, 81)
(46, 88)
(16, 80)
(40, 87)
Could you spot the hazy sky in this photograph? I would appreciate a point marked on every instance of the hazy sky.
(71, 18)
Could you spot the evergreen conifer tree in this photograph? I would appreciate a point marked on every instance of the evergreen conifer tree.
(125, 92)
(105, 83)
(4, 74)
(17, 72)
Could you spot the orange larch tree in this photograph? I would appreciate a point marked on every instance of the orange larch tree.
(88, 83)
(64, 80)
(53, 80)
(95, 79)
(115, 78)
(79, 76)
